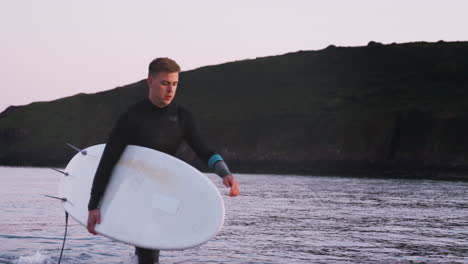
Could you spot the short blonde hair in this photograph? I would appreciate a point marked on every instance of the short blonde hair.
(163, 65)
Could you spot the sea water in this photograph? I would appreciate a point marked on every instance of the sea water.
(276, 219)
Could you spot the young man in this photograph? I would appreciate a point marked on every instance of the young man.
(158, 124)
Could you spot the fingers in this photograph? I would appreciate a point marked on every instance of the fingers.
(90, 226)
(235, 189)
(234, 186)
(93, 218)
(227, 180)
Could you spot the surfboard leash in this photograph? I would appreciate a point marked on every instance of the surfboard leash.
(66, 224)
(64, 237)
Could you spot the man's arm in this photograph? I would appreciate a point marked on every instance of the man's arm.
(118, 140)
(215, 161)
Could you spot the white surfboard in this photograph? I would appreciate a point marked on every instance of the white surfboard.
(153, 200)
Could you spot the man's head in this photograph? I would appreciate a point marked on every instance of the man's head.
(163, 77)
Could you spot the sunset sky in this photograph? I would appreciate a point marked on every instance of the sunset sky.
(56, 48)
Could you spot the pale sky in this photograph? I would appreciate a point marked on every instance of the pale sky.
(56, 48)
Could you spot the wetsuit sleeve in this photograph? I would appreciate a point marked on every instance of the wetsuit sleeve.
(208, 155)
(221, 168)
(194, 139)
(119, 138)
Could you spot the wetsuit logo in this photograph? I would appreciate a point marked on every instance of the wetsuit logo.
(174, 111)
(173, 118)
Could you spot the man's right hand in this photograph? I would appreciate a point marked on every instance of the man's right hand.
(94, 218)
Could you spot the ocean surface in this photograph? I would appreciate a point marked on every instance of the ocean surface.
(276, 219)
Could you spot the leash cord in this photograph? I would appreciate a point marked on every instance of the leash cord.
(64, 237)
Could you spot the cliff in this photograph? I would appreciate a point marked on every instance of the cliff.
(379, 110)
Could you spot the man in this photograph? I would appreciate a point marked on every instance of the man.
(158, 124)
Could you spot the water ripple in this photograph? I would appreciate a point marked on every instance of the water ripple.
(277, 219)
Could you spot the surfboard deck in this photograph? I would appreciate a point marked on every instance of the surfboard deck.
(153, 200)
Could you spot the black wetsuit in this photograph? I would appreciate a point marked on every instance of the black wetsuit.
(147, 125)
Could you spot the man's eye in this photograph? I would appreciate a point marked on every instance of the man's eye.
(165, 83)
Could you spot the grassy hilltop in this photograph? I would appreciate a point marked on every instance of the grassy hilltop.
(398, 109)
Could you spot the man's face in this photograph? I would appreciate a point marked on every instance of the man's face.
(163, 87)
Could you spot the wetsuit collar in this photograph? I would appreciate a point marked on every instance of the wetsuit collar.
(157, 107)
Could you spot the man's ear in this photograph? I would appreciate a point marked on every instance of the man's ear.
(149, 81)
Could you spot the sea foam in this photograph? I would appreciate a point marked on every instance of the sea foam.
(37, 258)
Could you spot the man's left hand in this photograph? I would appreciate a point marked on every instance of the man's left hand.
(229, 181)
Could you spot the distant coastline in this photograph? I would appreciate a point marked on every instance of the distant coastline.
(395, 110)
